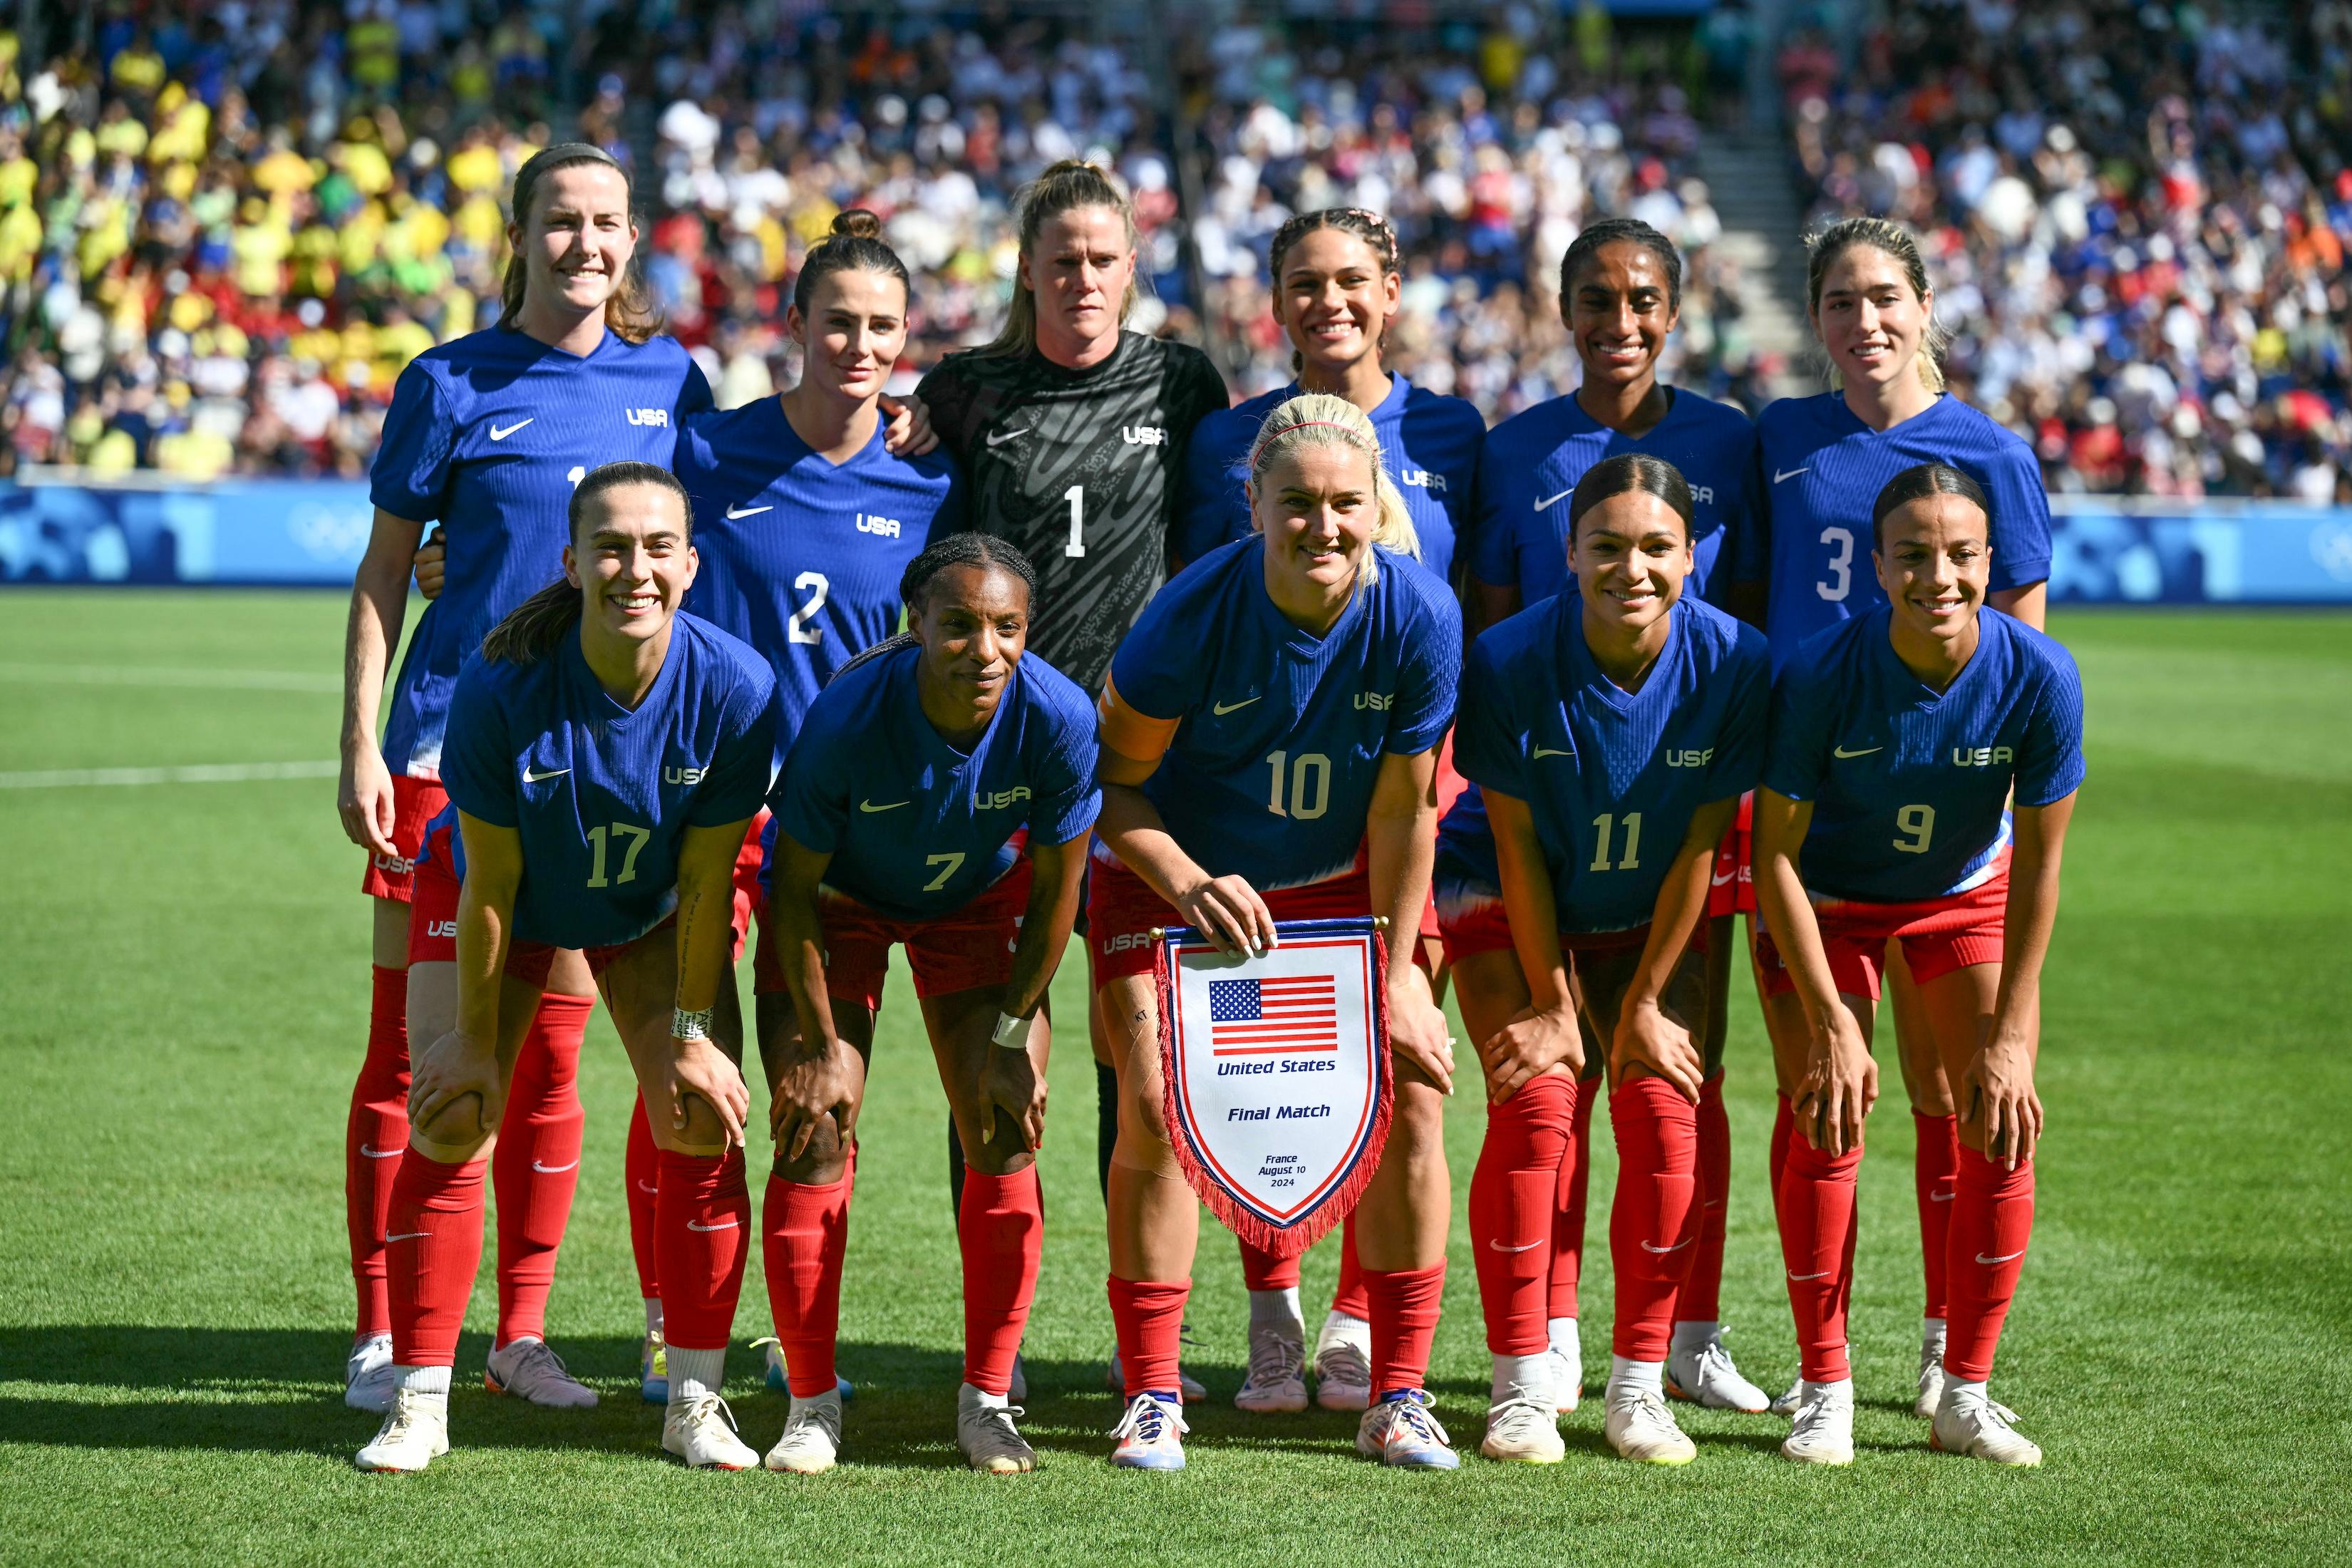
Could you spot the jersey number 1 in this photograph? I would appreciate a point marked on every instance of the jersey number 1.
(1076, 496)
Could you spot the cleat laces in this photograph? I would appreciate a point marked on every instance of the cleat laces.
(1345, 1362)
(1412, 1413)
(1148, 1421)
(1275, 1358)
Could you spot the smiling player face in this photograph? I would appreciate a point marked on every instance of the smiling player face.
(1870, 320)
(1334, 299)
(1078, 273)
(1619, 312)
(1935, 561)
(634, 565)
(1631, 555)
(973, 625)
(578, 240)
(855, 331)
(1317, 507)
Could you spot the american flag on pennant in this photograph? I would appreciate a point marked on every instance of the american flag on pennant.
(1263, 1018)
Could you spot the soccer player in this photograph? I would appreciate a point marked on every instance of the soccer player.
(939, 795)
(488, 435)
(1900, 739)
(605, 755)
(1619, 295)
(806, 520)
(1072, 433)
(1269, 751)
(1336, 287)
(1823, 460)
(1610, 732)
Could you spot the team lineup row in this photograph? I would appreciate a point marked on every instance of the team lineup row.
(566, 789)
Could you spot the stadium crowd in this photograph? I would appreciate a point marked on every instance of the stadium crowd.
(2137, 214)
(224, 228)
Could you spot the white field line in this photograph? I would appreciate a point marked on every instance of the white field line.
(198, 772)
(167, 675)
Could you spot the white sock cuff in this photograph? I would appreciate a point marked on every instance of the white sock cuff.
(971, 1395)
(1527, 1373)
(1275, 1306)
(1561, 1333)
(1346, 1322)
(1648, 1375)
(653, 1314)
(693, 1374)
(422, 1379)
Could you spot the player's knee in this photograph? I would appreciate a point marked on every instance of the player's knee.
(1417, 1123)
(825, 1162)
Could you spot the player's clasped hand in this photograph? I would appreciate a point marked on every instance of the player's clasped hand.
(1999, 1088)
(1532, 1043)
(1839, 1087)
(700, 1070)
(1647, 1038)
(1229, 912)
(1010, 1080)
(452, 1069)
(821, 1084)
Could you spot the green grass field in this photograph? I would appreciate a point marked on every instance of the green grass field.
(182, 1004)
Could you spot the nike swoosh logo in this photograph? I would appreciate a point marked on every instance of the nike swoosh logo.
(1726, 879)
(730, 1225)
(375, 1153)
(1824, 1274)
(530, 777)
(998, 438)
(1542, 752)
(497, 433)
(649, 1192)
(1222, 709)
(1549, 500)
(1529, 1248)
(869, 805)
(1791, 474)
(1941, 1197)
(2004, 1258)
(734, 512)
(553, 1170)
(1663, 1251)
(408, 1235)
(1844, 755)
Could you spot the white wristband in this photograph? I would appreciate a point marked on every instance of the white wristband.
(686, 1026)
(1012, 1032)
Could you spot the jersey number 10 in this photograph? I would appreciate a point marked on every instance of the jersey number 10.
(1310, 778)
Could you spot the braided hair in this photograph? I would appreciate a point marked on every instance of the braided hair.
(1585, 248)
(982, 550)
(1377, 233)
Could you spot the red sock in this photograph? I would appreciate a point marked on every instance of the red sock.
(640, 1168)
(1700, 1299)
(1404, 1320)
(1816, 1211)
(1514, 1193)
(698, 1229)
(1148, 1318)
(537, 1164)
(433, 1249)
(805, 1230)
(1776, 1156)
(1653, 1221)
(1350, 1297)
(1567, 1219)
(1001, 1227)
(1262, 1270)
(372, 1139)
(1992, 1219)
(1934, 1167)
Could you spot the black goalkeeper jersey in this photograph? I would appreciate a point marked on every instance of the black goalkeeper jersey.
(1079, 470)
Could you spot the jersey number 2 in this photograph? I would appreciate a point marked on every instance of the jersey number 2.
(799, 630)
(635, 838)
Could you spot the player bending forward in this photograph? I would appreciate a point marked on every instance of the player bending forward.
(939, 795)
(1269, 734)
(1898, 740)
(604, 756)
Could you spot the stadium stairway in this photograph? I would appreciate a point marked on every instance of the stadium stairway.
(1748, 180)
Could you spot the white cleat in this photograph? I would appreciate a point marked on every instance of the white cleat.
(1343, 1363)
(1787, 1404)
(1277, 1367)
(1567, 1379)
(1705, 1376)
(414, 1432)
(1151, 1435)
(1824, 1429)
(985, 1433)
(1115, 1380)
(812, 1441)
(1400, 1431)
(1524, 1429)
(702, 1433)
(368, 1382)
(1972, 1424)
(527, 1369)
(1932, 1380)
(1641, 1429)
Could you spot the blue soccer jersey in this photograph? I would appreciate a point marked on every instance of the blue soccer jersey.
(916, 828)
(1280, 735)
(1612, 778)
(1535, 459)
(1429, 443)
(1910, 787)
(487, 435)
(1822, 469)
(799, 558)
(603, 795)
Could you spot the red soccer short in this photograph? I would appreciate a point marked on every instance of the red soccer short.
(1938, 936)
(433, 927)
(1474, 920)
(749, 898)
(1450, 785)
(1733, 891)
(414, 803)
(1121, 910)
(960, 951)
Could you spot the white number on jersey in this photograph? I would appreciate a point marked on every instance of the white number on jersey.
(799, 630)
(1076, 496)
(1841, 565)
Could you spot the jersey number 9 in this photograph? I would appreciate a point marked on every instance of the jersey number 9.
(1918, 825)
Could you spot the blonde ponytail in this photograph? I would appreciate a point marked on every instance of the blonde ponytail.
(1320, 419)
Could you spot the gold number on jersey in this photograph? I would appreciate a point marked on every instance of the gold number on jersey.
(949, 866)
(1076, 496)
(1601, 826)
(1918, 825)
(1310, 772)
(635, 838)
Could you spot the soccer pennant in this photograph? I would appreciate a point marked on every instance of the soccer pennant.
(1275, 1075)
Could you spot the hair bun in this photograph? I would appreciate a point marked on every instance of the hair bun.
(857, 224)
